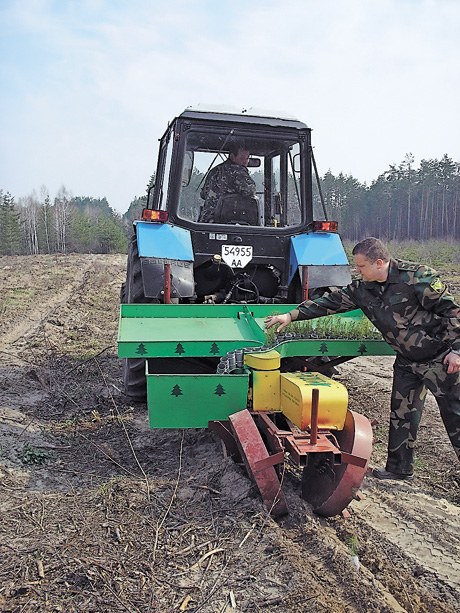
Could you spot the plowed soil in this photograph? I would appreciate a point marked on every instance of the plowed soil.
(99, 513)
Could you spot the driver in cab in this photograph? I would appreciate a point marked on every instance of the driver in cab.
(230, 177)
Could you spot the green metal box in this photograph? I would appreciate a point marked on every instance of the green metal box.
(191, 400)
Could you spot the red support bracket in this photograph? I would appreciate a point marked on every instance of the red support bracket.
(167, 284)
(272, 460)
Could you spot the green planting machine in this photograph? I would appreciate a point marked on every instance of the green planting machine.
(262, 401)
(196, 295)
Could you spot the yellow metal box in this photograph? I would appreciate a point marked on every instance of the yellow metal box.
(296, 396)
(266, 390)
(267, 360)
(265, 380)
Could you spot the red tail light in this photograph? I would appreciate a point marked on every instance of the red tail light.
(150, 215)
(324, 226)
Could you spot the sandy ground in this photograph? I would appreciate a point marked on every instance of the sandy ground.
(99, 513)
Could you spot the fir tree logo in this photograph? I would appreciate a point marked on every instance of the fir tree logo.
(324, 348)
(141, 350)
(219, 390)
(214, 349)
(362, 349)
(176, 391)
(180, 349)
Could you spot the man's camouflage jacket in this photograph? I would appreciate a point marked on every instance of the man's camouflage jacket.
(413, 309)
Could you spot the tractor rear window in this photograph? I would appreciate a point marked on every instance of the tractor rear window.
(241, 179)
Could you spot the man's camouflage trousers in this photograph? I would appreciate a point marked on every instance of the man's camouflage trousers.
(410, 384)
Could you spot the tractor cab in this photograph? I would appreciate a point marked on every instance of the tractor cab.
(279, 165)
(253, 247)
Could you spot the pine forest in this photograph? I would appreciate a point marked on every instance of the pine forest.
(404, 203)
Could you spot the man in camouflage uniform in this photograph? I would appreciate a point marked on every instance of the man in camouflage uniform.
(419, 318)
(230, 177)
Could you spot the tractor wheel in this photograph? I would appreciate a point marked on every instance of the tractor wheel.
(132, 292)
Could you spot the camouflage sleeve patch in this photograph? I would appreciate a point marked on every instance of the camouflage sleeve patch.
(438, 286)
(408, 266)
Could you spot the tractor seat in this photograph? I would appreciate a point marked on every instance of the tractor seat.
(237, 209)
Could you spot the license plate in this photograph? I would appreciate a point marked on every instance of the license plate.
(237, 256)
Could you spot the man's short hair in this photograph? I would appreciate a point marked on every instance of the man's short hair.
(235, 146)
(373, 249)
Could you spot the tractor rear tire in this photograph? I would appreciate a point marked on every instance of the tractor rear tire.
(132, 292)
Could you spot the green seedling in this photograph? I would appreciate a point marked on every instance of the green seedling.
(327, 328)
(352, 543)
(31, 455)
(106, 488)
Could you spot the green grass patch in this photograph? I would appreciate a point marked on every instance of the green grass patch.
(14, 297)
(420, 464)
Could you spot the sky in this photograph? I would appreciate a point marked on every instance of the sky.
(89, 86)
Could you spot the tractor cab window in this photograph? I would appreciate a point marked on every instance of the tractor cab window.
(164, 172)
(240, 179)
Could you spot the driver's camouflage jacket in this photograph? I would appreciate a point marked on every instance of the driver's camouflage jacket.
(413, 309)
(226, 178)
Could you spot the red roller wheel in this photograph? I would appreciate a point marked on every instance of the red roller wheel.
(257, 461)
(330, 488)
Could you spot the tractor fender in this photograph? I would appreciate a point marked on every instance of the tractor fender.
(324, 256)
(161, 244)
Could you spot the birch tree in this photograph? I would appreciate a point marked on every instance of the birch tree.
(30, 215)
(62, 206)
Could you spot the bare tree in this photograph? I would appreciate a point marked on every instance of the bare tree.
(30, 212)
(62, 204)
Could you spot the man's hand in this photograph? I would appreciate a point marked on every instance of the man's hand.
(453, 362)
(284, 320)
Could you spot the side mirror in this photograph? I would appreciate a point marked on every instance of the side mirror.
(187, 168)
(150, 196)
(296, 163)
(253, 162)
